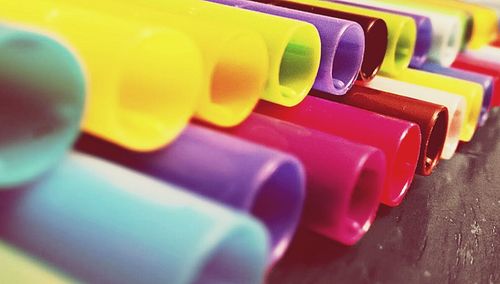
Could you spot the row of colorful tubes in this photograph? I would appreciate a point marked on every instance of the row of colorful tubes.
(210, 130)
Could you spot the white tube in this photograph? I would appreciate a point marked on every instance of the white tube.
(455, 104)
(447, 31)
(486, 53)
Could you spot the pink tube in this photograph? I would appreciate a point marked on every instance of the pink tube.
(344, 179)
(398, 139)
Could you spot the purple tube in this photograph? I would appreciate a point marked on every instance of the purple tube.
(266, 183)
(484, 80)
(344, 179)
(342, 45)
(424, 32)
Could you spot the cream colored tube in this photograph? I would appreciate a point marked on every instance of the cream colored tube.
(455, 104)
(487, 53)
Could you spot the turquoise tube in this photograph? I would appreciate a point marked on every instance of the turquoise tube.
(42, 93)
(101, 223)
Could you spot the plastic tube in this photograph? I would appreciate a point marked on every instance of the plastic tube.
(401, 34)
(375, 31)
(104, 224)
(484, 67)
(472, 92)
(342, 45)
(143, 82)
(42, 94)
(400, 141)
(484, 80)
(424, 32)
(20, 268)
(485, 28)
(448, 28)
(456, 106)
(294, 47)
(431, 118)
(266, 183)
(344, 179)
(486, 53)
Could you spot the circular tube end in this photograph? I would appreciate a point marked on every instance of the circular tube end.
(375, 48)
(433, 144)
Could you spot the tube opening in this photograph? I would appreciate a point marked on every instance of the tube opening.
(435, 143)
(452, 44)
(299, 63)
(404, 165)
(375, 48)
(363, 204)
(156, 99)
(278, 205)
(238, 80)
(347, 59)
(404, 47)
(456, 122)
(235, 258)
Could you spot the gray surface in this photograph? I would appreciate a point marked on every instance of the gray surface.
(446, 231)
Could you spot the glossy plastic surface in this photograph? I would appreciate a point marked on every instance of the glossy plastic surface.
(42, 95)
(486, 53)
(431, 118)
(472, 92)
(342, 45)
(456, 106)
(448, 29)
(400, 141)
(375, 31)
(143, 82)
(402, 33)
(266, 183)
(484, 80)
(344, 179)
(100, 223)
(424, 32)
(484, 67)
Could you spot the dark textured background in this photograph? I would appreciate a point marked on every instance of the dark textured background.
(446, 231)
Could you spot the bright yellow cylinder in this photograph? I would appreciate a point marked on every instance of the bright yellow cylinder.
(294, 47)
(472, 92)
(143, 82)
(401, 34)
(19, 268)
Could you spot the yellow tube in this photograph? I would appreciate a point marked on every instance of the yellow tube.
(401, 34)
(19, 268)
(294, 47)
(143, 82)
(485, 27)
(472, 92)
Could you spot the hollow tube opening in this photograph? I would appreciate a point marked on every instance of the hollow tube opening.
(155, 98)
(239, 255)
(362, 205)
(455, 125)
(278, 205)
(404, 47)
(435, 143)
(347, 58)
(404, 165)
(238, 80)
(299, 64)
(374, 50)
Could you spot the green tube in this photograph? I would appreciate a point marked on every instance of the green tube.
(42, 92)
(402, 34)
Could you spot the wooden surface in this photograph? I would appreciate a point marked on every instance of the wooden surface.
(446, 231)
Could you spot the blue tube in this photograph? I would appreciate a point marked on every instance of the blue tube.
(100, 223)
(485, 81)
(252, 178)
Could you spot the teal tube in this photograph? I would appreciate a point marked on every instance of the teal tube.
(101, 223)
(42, 94)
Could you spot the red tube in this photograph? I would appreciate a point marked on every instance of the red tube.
(468, 63)
(432, 119)
(398, 139)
